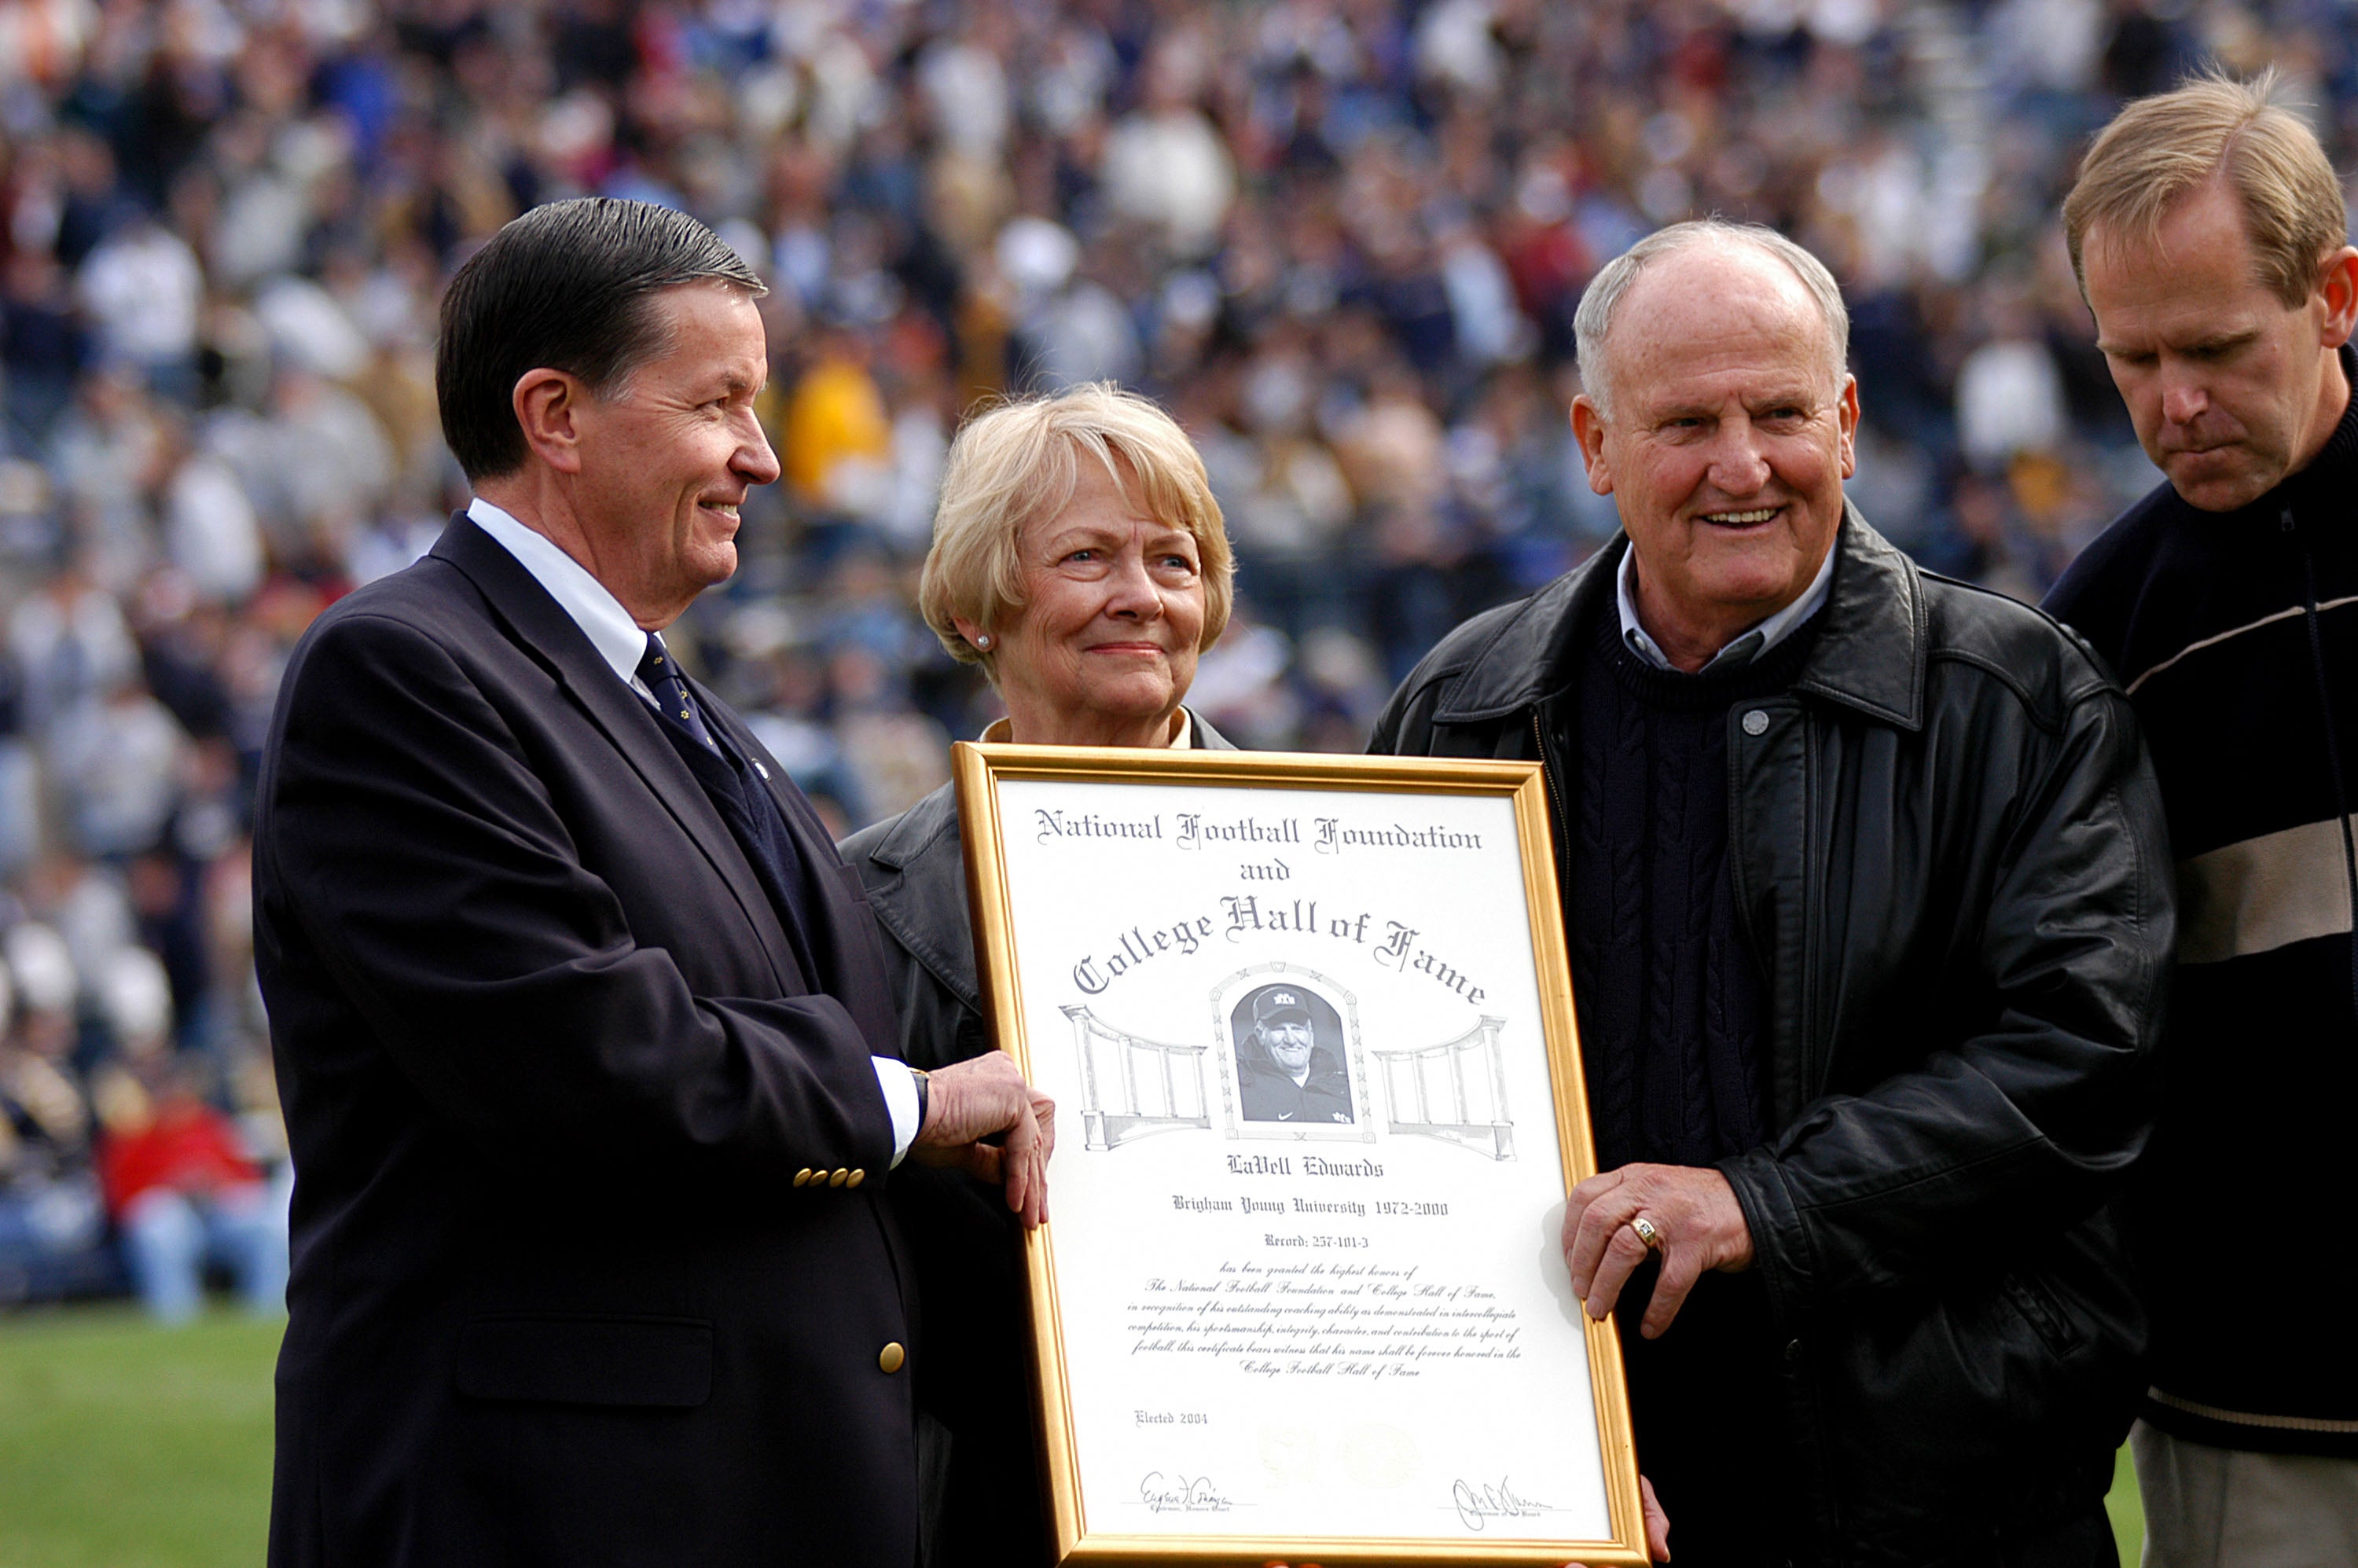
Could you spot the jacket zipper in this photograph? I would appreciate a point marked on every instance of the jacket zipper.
(2333, 743)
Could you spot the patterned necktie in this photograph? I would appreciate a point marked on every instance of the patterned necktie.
(663, 678)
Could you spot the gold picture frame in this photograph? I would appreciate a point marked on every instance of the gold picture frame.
(1147, 1098)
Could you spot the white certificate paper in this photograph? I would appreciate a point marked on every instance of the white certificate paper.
(1302, 1263)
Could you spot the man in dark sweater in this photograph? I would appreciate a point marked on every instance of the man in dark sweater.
(1869, 913)
(2209, 230)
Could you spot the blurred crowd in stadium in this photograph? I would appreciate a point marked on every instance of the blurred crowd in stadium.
(1340, 239)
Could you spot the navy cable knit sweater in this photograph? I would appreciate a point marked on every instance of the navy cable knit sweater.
(1672, 1016)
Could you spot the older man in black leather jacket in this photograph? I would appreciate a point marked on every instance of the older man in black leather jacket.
(1869, 912)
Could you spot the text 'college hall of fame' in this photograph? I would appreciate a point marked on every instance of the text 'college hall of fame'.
(1307, 1279)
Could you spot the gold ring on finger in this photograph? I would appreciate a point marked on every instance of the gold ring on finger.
(1647, 1233)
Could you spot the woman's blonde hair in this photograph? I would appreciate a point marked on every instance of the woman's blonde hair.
(1019, 461)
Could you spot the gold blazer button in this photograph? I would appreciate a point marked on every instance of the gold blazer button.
(856, 1178)
(891, 1357)
(803, 1177)
(839, 1178)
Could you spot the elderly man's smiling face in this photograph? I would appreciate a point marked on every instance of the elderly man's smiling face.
(1730, 434)
(1290, 1045)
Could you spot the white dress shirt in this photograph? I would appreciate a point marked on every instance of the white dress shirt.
(1745, 645)
(620, 643)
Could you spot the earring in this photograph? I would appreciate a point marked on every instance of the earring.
(983, 641)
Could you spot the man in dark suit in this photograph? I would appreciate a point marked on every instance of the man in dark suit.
(582, 1028)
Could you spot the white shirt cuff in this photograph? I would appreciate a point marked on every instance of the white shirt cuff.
(899, 1100)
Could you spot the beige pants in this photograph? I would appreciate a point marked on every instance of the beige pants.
(2220, 1508)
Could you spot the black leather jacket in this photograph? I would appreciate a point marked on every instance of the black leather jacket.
(1949, 859)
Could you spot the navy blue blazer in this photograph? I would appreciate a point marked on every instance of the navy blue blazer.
(593, 1263)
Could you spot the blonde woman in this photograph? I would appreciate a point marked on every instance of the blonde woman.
(1079, 558)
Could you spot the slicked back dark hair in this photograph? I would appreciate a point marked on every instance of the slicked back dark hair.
(566, 287)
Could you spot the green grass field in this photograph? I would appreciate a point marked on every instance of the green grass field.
(125, 1445)
(2129, 1514)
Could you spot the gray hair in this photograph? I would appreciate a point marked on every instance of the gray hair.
(1602, 295)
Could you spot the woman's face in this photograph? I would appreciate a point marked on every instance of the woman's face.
(1104, 648)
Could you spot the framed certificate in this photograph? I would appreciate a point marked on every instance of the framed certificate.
(1308, 1025)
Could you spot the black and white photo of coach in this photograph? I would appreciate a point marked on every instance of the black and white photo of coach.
(1289, 1068)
